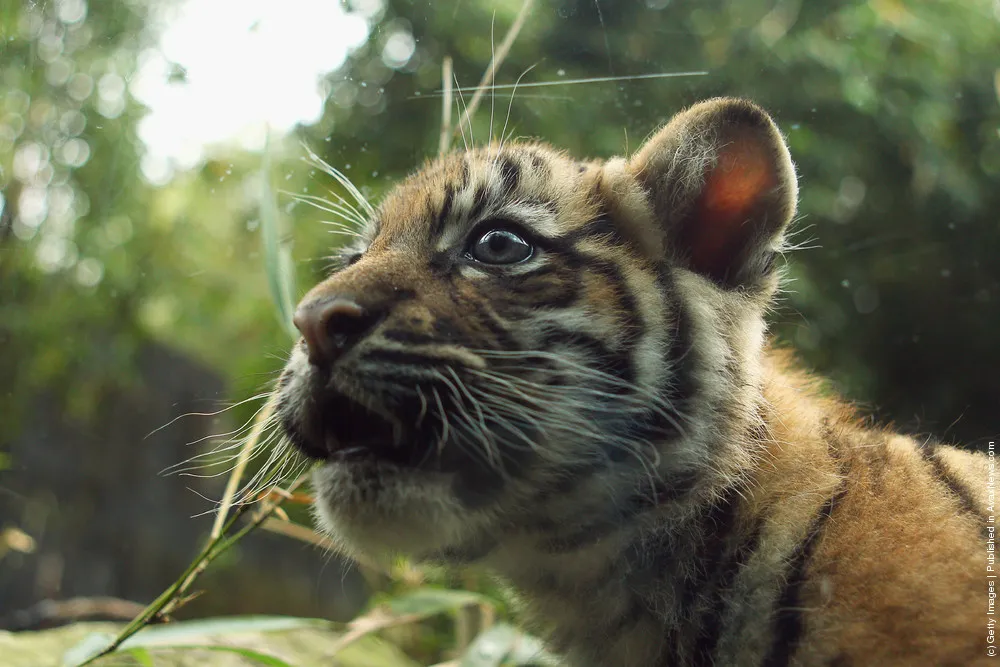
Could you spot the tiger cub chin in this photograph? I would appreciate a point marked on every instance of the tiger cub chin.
(559, 370)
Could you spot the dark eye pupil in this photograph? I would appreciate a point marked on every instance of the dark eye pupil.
(500, 246)
(497, 242)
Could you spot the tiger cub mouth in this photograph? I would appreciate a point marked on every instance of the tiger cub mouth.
(336, 428)
(351, 421)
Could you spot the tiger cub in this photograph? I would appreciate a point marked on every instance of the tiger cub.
(559, 370)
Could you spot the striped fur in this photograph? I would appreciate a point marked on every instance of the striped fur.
(606, 427)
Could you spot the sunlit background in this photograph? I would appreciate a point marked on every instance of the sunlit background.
(227, 72)
(133, 139)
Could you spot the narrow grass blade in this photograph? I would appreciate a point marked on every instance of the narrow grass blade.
(277, 249)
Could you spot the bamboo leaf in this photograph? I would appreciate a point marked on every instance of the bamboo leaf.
(261, 658)
(426, 602)
(142, 656)
(186, 631)
(373, 651)
(411, 607)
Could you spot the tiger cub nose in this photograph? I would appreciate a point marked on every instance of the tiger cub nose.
(331, 326)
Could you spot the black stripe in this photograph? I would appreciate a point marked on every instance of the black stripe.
(550, 269)
(409, 337)
(710, 625)
(404, 358)
(788, 624)
(633, 325)
(488, 319)
(566, 479)
(650, 496)
(485, 317)
(538, 163)
(480, 481)
(659, 426)
(613, 274)
(600, 227)
(560, 246)
(442, 217)
(440, 264)
(682, 355)
(702, 558)
(510, 175)
(841, 660)
(962, 494)
(478, 203)
(717, 529)
(617, 363)
(447, 330)
(549, 285)
(605, 456)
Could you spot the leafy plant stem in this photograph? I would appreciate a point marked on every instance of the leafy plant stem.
(173, 597)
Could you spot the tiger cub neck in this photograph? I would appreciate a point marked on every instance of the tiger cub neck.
(648, 539)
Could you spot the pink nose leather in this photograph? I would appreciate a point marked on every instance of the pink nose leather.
(330, 326)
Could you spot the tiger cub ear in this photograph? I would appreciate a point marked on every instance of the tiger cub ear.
(722, 186)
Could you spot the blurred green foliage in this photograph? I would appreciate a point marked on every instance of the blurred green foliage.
(891, 108)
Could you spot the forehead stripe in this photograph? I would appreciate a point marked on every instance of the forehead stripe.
(446, 205)
(510, 175)
(479, 202)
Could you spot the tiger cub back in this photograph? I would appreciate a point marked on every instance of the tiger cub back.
(559, 371)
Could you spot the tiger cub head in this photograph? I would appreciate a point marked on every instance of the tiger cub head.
(517, 330)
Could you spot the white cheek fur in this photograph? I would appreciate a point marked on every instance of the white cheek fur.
(410, 513)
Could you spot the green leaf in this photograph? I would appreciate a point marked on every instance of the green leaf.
(277, 249)
(185, 631)
(183, 635)
(411, 607)
(372, 651)
(261, 658)
(505, 645)
(424, 602)
(141, 656)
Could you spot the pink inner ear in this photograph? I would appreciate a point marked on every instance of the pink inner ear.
(722, 222)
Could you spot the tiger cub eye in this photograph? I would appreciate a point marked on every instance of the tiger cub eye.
(500, 246)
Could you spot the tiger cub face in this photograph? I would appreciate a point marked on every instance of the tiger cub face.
(518, 331)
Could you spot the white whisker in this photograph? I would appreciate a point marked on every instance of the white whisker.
(344, 181)
(596, 79)
(207, 414)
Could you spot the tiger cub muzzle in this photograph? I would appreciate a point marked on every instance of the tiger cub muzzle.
(332, 425)
(342, 415)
